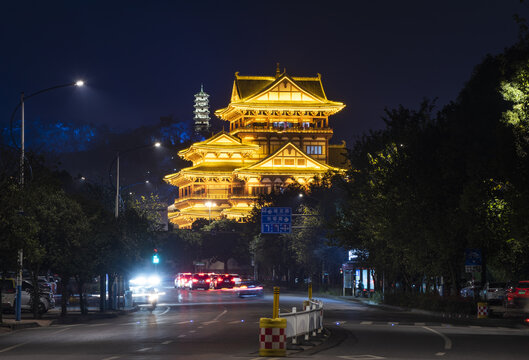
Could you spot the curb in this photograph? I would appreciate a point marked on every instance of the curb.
(506, 322)
(68, 319)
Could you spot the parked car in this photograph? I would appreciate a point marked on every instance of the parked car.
(226, 281)
(250, 288)
(200, 281)
(471, 289)
(181, 280)
(517, 294)
(46, 300)
(494, 292)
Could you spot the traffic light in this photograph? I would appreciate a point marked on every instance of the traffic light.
(155, 257)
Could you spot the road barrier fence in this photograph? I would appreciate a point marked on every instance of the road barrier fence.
(304, 323)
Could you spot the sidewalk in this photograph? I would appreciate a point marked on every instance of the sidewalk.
(53, 316)
(508, 318)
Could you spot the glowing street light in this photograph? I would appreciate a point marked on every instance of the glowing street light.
(20, 105)
(209, 204)
(116, 160)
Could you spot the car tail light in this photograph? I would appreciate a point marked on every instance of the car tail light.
(232, 280)
(219, 279)
(244, 287)
(195, 280)
(208, 280)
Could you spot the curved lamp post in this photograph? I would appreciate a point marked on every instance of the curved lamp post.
(22, 157)
(116, 160)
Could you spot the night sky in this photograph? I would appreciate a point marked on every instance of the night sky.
(146, 59)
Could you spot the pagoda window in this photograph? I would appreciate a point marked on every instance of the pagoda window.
(277, 162)
(289, 161)
(301, 162)
(313, 149)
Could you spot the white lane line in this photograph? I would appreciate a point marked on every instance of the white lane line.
(181, 336)
(185, 322)
(366, 323)
(448, 342)
(192, 331)
(439, 354)
(200, 327)
(236, 322)
(11, 347)
(144, 349)
(111, 358)
(60, 331)
(167, 342)
(166, 311)
(94, 325)
(221, 314)
(216, 319)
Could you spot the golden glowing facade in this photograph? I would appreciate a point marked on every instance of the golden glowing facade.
(279, 134)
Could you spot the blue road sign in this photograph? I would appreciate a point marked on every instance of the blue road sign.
(472, 257)
(276, 220)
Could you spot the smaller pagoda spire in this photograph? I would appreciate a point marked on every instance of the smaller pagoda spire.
(278, 71)
(201, 112)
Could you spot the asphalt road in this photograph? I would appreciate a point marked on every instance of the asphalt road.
(218, 325)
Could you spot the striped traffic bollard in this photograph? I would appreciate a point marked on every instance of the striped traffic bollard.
(272, 337)
(483, 311)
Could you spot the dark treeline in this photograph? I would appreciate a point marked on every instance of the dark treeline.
(432, 184)
(67, 227)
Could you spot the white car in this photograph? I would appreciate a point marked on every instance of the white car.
(494, 292)
(46, 300)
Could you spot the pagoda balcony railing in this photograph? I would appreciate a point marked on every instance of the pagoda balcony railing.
(296, 128)
(226, 196)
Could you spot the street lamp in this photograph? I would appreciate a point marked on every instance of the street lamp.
(116, 159)
(21, 180)
(209, 204)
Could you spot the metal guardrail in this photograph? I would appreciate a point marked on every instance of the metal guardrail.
(307, 322)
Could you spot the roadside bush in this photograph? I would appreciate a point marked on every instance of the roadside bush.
(433, 302)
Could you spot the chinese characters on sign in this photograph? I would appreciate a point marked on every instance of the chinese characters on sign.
(276, 220)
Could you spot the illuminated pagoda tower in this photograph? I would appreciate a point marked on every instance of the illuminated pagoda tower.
(201, 112)
(278, 135)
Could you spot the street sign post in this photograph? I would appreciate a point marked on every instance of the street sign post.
(276, 220)
(473, 260)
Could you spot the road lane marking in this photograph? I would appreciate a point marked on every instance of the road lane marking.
(167, 342)
(11, 347)
(448, 342)
(439, 354)
(111, 358)
(236, 322)
(200, 327)
(366, 323)
(181, 336)
(144, 349)
(94, 325)
(60, 331)
(184, 322)
(192, 331)
(216, 319)
(166, 311)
